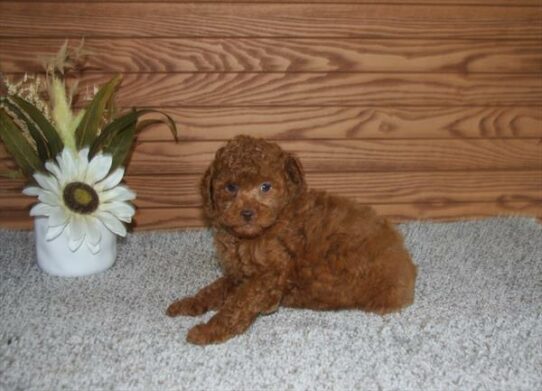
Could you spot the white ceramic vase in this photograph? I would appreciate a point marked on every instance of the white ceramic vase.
(55, 257)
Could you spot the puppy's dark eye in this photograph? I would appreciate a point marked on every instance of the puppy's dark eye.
(265, 187)
(232, 188)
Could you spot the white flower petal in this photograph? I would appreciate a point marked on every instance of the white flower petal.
(111, 180)
(112, 223)
(83, 153)
(63, 177)
(74, 245)
(94, 236)
(67, 165)
(46, 182)
(32, 191)
(73, 166)
(54, 232)
(98, 168)
(76, 233)
(41, 210)
(82, 164)
(58, 216)
(94, 248)
(77, 227)
(127, 218)
(49, 198)
(119, 193)
(54, 169)
(121, 210)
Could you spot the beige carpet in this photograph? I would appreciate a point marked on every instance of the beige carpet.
(476, 323)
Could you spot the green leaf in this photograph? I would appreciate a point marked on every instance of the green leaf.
(117, 126)
(86, 132)
(168, 121)
(49, 132)
(119, 135)
(141, 125)
(12, 174)
(21, 150)
(120, 146)
(41, 144)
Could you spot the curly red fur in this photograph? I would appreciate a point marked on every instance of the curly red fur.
(281, 244)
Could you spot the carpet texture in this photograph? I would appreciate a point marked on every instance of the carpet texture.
(476, 323)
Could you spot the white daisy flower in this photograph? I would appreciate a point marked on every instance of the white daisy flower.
(77, 196)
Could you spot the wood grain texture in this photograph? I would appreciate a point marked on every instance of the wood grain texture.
(320, 122)
(426, 109)
(193, 157)
(269, 20)
(324, 89)
(160, 191)
(430, 2)
(283, 55)
(368, 188)
(356, 155)
(182, 218)
(279, 123)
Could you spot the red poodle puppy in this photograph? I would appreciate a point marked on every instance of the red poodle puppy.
(282, 244)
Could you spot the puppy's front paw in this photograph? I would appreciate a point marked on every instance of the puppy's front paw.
(188, 306)
(204, 334)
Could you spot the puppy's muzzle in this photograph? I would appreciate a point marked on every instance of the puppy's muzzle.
(248, 214)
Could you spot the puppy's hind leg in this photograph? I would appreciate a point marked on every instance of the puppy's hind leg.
(392, 280)
(211, 297)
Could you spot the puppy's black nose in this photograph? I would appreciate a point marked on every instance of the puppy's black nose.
(247, 214)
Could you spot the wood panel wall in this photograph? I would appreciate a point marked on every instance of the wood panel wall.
(425, 109)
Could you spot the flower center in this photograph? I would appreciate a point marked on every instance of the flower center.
(80, 198)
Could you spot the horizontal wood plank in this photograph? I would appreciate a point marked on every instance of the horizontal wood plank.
(459, 211)
(369, 188)
(322, 122)
(324, 89)
(279, 123)
(268, 20)
(183, 218)
(430, 2)
(353, 155)
(193, 157)
(282, 55)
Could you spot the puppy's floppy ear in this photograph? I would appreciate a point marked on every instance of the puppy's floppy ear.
(295, 173)
(206, 188)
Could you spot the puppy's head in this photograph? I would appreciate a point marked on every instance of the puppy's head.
(249, 184)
